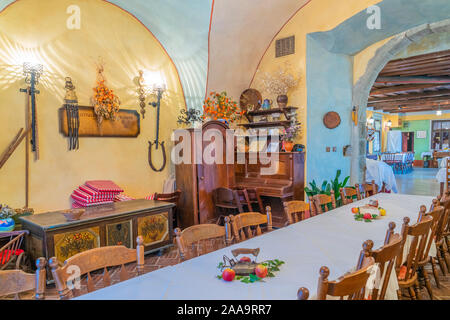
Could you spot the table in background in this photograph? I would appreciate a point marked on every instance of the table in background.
(333, 239)
(381, 172)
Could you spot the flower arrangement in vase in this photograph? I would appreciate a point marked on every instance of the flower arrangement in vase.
(218, 106)
(279, 83)
(7, 222)
(289, 135)
(106, 103)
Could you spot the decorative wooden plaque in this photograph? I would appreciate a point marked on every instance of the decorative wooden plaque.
(127, 124)
(331, 120)
(119, 234)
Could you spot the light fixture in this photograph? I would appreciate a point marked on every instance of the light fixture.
(439, 111)
(389, 123)
(370, 121)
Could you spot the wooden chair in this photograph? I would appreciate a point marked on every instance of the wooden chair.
(384, 257)
(243, 223)
(351, 285)
(14, 282)
(295, 211)
(172, 198)
(11, 253)
(366, 190)
(437, 214)
(320, 200)
(347, 195)
(95, 259)
(407, 272)
(226, 199)
(251, 198)
(442, 244)
(202, 238)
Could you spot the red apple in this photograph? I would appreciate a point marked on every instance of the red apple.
(228, 274)
(261, 271)
(245, 259)
(355, 210)
(367, 216)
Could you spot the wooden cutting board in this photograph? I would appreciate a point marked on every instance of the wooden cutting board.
(127, 124)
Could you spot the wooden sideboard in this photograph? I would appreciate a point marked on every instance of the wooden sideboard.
(118, 223)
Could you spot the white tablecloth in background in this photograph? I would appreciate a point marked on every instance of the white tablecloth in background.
(441, 176)
(333, 239)
(426, 153)
(380, 172)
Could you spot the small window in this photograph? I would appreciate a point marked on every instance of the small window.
(440, 134)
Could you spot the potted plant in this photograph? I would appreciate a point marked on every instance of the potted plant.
(327, 186)
(6, 219)
(190, 117)
(218, 106)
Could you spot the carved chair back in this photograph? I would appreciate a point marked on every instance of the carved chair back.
(10, 252)
(202, 238)
(295, 211)
(348, 194)
(418, 234)
(248, 224)
(436, 225)
(324, 200)
(251, 198)
(351, 285)
(86, 262)
(226, 198)
(384, 257)
(173, 197)
(14, 282)
(365, 190)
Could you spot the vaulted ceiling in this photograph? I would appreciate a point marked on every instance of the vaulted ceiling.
(419, 83)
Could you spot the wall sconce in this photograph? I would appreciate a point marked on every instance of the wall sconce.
(32, 73)
(141, 92)
(389, 123)
(370, 121)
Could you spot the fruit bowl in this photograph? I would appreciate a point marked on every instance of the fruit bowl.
(73, 214)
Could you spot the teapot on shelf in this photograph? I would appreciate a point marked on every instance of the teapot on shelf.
(267, 104)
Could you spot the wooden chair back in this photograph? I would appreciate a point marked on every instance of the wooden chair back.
(295, 211)
(351, 285)
(447, 175)
(251, 197)
(9, 250)
(227, 198)
(14, 282)
(202, 238)
(320, 200)
(92, 260)
(168, 197)
(242, 224)
(365, 190)
(348, 194)
(385, 258)
(436, 226)
(419, 240)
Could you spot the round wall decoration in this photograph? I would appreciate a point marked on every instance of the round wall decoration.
(250, 100)
(331, 120)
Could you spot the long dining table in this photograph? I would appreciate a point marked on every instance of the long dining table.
(333, 239)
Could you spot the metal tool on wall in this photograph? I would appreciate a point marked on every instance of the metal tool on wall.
(159, 92)
(32, 74)
(73, 118)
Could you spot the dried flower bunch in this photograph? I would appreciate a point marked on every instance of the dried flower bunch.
(220, 106)
(279, 82)
(6, 212)
(291, 132)
(106, 103)
(189, 116)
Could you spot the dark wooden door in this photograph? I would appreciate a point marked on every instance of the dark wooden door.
(213, 175)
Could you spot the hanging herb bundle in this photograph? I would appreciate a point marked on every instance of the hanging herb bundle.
(106, 103)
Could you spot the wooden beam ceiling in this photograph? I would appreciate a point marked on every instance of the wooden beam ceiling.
(419, 83)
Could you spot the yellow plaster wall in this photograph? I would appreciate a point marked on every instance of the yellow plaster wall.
(36, 30)
(318, 15)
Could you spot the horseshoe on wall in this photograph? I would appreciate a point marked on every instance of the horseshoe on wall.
(163, 150)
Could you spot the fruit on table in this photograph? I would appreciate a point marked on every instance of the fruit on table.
(382, 212)
(228, 274)
(355, 210)
(245, 259)
(261, 271)
(367, 216)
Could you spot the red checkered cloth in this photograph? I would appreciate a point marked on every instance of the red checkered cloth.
(103, 186)
(5, 255)
(122, 197)
(76, 204)
(89, 200)
(150, 197)
(83, 192)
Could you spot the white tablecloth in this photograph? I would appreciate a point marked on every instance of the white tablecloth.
(441, 175)
(381, 172)
(426, 153)
(333, 239)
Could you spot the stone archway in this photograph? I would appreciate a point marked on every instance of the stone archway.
(362, 87)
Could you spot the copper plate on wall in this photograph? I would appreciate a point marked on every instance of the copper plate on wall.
(331, 120)
(250, 97)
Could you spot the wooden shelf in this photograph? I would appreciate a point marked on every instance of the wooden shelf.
(262, 112)
(267, 124)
